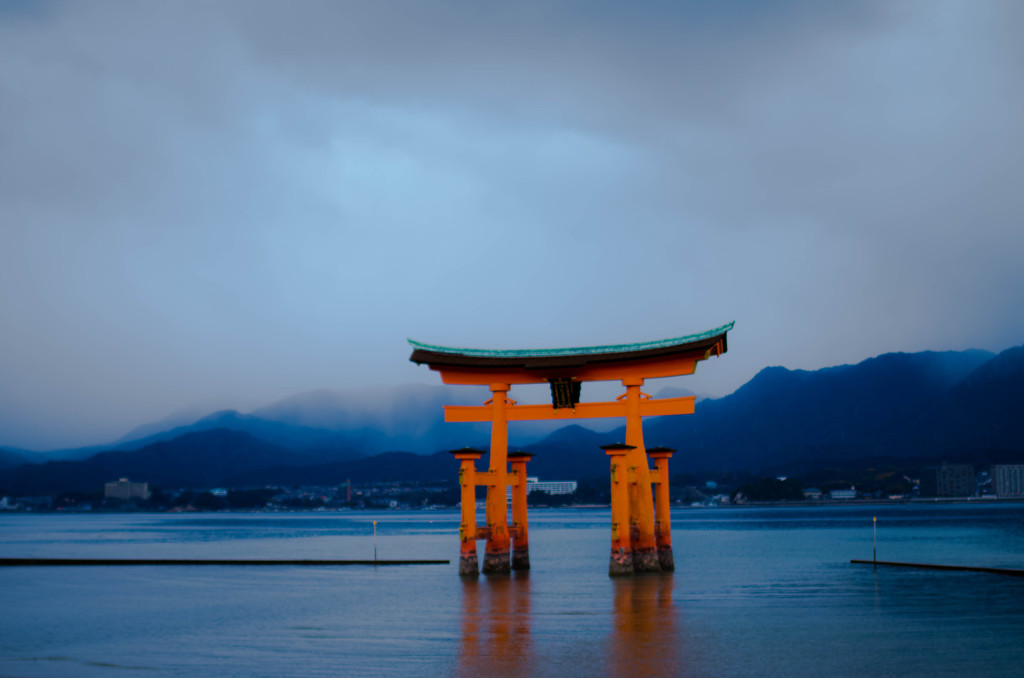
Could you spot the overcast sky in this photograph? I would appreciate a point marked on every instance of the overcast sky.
(224, 203)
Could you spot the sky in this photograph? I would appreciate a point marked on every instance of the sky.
(221, 204)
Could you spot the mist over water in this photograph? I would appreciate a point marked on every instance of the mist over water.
(766, 592)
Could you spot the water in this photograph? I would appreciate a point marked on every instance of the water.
(757, 592)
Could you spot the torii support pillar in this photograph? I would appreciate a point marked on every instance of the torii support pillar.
(645, 545)
(663, 522)
(496, 555)
(467, 457)
(520, 524)
(621, 562)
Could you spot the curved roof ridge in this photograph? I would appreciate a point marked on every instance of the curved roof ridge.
(579, 350)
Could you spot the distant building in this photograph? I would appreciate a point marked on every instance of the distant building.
(125, 490)
(1008, 481)
(812, 493)
(948, 480)
(551, 486)
(5, 504)
(843, 494)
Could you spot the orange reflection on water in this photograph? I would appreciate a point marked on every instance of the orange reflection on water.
(643, 640)
(496, 627)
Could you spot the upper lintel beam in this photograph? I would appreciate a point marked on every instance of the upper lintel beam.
(647, 369)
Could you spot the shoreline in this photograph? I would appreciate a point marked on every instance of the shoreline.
(930, 501)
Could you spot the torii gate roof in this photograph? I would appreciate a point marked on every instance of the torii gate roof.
(545, 359)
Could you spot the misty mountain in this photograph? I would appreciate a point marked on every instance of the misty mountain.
(843, 412)
(316, 443)
(895, 406)
(329, 426)
(984, 411)
(408, 418)
(11, 457)
(194, 460)
(385, 467)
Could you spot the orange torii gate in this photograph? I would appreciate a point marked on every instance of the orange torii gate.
(639, 543)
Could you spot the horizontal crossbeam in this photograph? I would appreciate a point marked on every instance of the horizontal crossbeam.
(645, 369)
(490, 479)
(648, 408)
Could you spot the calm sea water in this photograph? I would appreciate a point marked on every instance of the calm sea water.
(757, 592)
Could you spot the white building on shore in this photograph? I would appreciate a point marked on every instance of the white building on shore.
(125, 490)
(1008, 481)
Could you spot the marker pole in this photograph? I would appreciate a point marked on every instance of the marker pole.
(375, 541)
(875, 542)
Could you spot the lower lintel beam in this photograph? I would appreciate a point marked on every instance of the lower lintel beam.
(648, 408)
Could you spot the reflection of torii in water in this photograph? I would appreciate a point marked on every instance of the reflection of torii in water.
(638, 544)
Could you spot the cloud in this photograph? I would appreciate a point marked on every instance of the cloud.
(252, 198)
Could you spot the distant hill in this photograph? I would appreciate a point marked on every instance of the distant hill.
(385, 467)
(983, 411)
(10, 458)
(194, 460)
(328, 425)
(896, 406)
(877, 407)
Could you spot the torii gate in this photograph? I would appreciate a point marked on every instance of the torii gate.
(638, 543)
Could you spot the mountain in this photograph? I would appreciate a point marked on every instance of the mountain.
(386, 467)
(896, 406)
(984, 411)
(328, 425)
(842, 412)
(409, 417)
(194, 460)
(11, 457)
(319, 444)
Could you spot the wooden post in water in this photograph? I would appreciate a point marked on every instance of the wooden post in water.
(662, 506)
(621, 562)
(467, 457)
(520, 524)
(496, 554)
(645, 546)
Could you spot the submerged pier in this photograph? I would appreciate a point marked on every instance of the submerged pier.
(78, 562)
(1006, 571)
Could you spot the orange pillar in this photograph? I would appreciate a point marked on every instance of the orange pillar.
(520, 526)
(645, 547)
(496, 556)
(663, 524)
(621, 562)
(467, 530)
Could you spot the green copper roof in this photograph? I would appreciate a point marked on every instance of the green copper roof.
(580, 350)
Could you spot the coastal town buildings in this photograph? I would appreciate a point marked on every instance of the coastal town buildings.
(534, 484)
(1008, 480)
(948, 480)
(125, 490)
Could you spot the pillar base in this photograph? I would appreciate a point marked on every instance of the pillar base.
(468, 566)
(646, 560)
(667, 560)
(621, 564)
(521, 560)
(496, 563)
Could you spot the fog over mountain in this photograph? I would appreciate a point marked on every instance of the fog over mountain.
(897, 406)
(228, 202)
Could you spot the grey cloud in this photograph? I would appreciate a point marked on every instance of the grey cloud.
(207, 199)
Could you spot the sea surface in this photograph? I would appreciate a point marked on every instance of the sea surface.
(756, 592)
